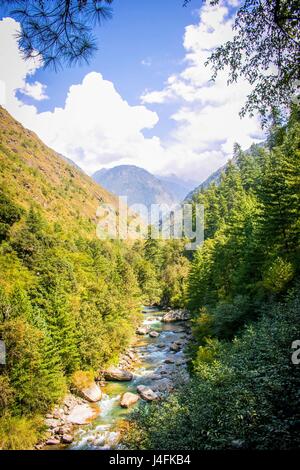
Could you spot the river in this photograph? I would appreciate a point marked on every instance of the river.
(103, 433)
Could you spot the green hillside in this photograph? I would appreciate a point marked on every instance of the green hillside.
(68, 301)
(33, 174)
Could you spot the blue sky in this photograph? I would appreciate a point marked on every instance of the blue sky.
(149, 31)
(145, 98)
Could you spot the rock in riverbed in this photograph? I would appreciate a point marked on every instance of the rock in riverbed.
(81, 414)
(142, 330)
(113, 373)
(169, 360)
(67, 439)
(92, 393)
(175, 347)
(154, 334)
(147, 393)
(128, 399)
(52, 442)
(52, 423)
(176, 315)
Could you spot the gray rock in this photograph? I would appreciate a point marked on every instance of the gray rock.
(113, 373)
(147, 393)
(52, 442)
(128, 399)
(82, 414)
(163, 385)
(154, 334)
(169, 360)
(175, 347)
(176, 315)
(67, 439)
(92, 393)
(52, 423)
(142, 330)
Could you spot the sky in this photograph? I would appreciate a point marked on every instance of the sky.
(146, 97)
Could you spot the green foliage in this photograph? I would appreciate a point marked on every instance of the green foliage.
(262, 51)
(6, 394)
(9, 214)
(19, 433)
(66, 304)
(243, 393)
(278, 275)
(251, 249)
(28, 369)
(162, 269)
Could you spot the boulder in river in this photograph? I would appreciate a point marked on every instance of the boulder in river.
(175, 347)
(67, 439)
(154, 334)
(147, 393)
(52, 442)
(142, 330)
(128, 399)
(169, 360)
(91, 393)
(113, 373)
(175, 315)
(81, 414)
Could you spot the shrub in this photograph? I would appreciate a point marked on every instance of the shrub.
(19, 433)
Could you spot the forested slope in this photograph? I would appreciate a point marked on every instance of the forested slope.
(68, 301)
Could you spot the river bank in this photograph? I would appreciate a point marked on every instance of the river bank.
(155, 364)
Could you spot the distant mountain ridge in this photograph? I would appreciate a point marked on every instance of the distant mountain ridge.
(140, 186)
(216, 175)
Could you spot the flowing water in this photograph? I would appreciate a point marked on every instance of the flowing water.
(102, 433)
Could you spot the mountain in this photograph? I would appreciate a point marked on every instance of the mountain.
(141, 186)
(137, 184)
(176, 186)
(33, 174)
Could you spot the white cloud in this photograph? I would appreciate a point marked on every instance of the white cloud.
(96, 127)
(207, 119)
(35, 90)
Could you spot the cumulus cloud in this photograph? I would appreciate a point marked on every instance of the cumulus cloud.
(207, 119)
(96, 127)
(35, 90)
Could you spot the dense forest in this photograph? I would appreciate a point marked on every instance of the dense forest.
(243, 293)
